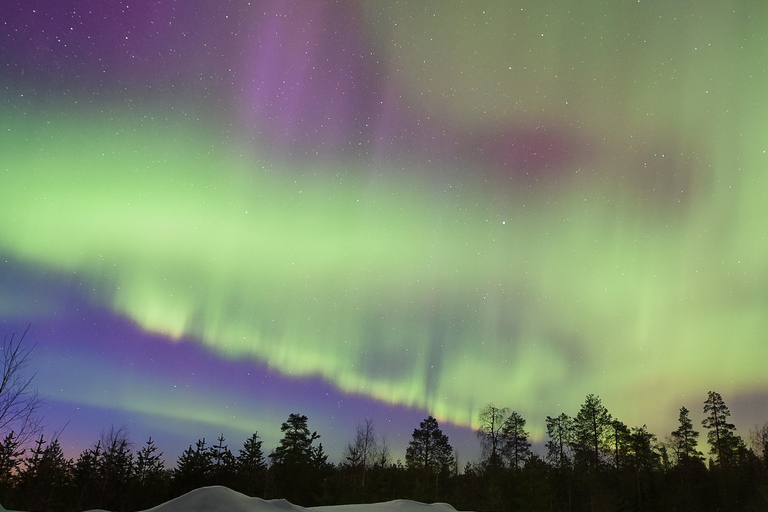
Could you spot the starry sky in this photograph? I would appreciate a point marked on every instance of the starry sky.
(215, 214)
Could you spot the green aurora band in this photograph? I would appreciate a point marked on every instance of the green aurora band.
(414, 290)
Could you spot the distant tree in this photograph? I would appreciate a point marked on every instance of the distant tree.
(517, 448)
(19, 401)
(320, 458)
(251, 467)
(489, 432)
(560, 434)
(590, 428)
(685, 440)
(723, 441)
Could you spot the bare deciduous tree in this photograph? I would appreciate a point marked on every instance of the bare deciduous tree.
(19, 400)
(491, 422)
(362, 452)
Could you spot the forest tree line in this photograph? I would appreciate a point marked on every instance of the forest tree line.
(593, 462)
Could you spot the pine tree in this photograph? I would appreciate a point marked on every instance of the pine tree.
(590, 429)
(619, 438)
(642, 449)
(429, 449)
(723, 441)
(430, 456)
(296, 445)
(684, 440)
(516, 449)
(560, 433)
(295, 460)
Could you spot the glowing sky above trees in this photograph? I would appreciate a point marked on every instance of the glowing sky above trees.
(214, 216)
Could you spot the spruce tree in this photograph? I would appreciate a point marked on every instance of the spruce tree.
(150, 476)
(85, 476)
(149, 464)
(193, 468)
(251, 467)
(222, 462)
(10, 457)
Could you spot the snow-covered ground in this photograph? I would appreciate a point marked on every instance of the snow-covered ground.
(222, 499)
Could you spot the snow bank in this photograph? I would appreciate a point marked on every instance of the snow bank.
(222, 499)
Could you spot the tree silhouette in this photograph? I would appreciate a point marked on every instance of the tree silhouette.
(251, 467)
(489, 432)
(560, 434)
(19, 401)
(685, 440)
(150, 476)
(296, 460)
(429, 455)
(193, 467)
(516, 448)
(722, 438)
(589, 431)
(360, 454)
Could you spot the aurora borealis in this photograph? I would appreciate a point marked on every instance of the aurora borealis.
(214, 216)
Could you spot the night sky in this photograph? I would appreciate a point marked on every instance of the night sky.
(215, 214)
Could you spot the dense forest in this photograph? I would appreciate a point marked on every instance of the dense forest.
(593, 462)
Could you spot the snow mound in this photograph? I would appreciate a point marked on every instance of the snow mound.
(223, 499)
